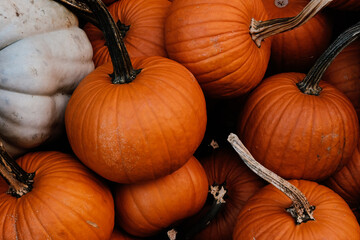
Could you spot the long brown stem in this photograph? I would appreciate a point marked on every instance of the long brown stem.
(123, 69)
(259, 30)
(301, 210)
(20, 182)
(310, 84)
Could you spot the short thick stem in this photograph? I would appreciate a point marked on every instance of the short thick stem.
(123, 69)
(20, 182)
(310, 84)
(259, 30)
(300, 210)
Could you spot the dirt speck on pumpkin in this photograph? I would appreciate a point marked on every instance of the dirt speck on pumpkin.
(92, 224)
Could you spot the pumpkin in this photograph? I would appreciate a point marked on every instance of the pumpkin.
(346, 182)
(43, 56)
(297, 50)
(144, 209)
(223, 166)
(53, 196)
(118, 234)
(140, 130)
(227, 58)
(344, 73)
(299, 126)
(294, 210)
(142, 25)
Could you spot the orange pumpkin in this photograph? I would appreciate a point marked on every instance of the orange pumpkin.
(297, 50)
(146, 208)
(346, 182)
(142, 22)
(142, 129)
(344, 73)
(67, 201)
(299, 126)
(223, 166)
(264, 217)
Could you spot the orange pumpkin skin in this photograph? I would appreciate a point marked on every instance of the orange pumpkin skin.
(346, 182)
(264, 216)
(67, 202)
(143, 209)
(297, 135)
(211, 38)
(222, 166)
(120, 235)
(344, 73)
(298, 49)
(138, 131)
(145, 36)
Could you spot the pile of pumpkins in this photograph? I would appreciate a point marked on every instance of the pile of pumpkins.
(117, 113)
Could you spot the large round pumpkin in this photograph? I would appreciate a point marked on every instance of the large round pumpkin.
(67, 201)
(142, 23)
(211, 38)
(144, 209)
(264, 216)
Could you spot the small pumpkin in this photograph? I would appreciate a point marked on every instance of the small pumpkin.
(299, 126)
(294, 210)
(144, 209)
(43, 56)
(135, 125)
(53, 196)
(223, 167)
(142, 25)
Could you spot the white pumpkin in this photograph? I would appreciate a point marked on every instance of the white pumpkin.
(43, 56)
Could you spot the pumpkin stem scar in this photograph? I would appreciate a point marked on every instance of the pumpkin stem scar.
(123, 69)
(300, 210)
(193, 225)
(310, 84)
(260, 30)
(20, 182)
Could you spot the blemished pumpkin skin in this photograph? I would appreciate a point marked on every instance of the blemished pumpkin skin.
(211, 38)
(344, 73)
(43, 56)
(144, 209)
(346, 182)
(141, 130)
(224, 166)
(296, 135)
(145, 36)
(264, 217)
(67, 201)
(297, 50)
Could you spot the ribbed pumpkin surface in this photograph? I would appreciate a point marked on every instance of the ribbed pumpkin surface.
(145, 36)
(264, 216)
(211, 38)
(141, 130)
(144, 209)
(298, 135)
(67, 202)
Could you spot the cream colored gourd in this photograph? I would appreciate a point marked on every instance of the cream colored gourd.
(43, 56)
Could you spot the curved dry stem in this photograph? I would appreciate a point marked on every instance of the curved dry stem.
(20, 182)
(301, 209)
(259, 30)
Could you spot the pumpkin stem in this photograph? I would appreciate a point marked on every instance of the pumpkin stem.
(259, 30)
(20, 182)
(123, 69)
(310, 84)
(193, 225)
(80, 9)
(300, 210)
